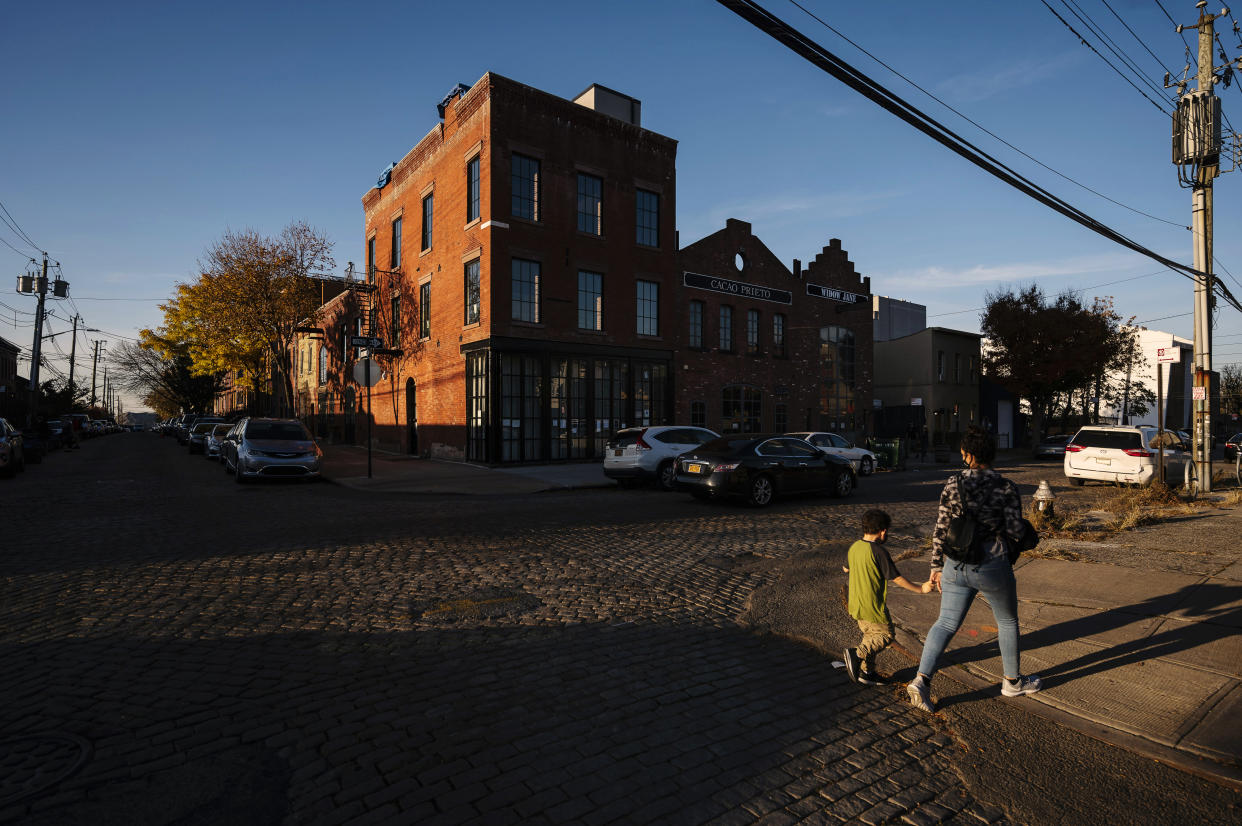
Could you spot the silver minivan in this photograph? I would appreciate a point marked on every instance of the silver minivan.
(271, 448)
(1121, 453)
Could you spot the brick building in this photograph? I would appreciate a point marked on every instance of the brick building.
(762, 347)
(524, 277)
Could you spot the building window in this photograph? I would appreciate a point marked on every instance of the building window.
(344, 343)
(726, 329)
(424, 310)
(971, 370)
(472, 189)
(940, 365)
(525, 278)
(476, 406)
(647, 217)
(590, 300)
(752, 332)
(957, 368)
(521, 382)
(323, 365)
(394, 259)
(524, 185)
(780, 418)
(429, 205)
(370, 259)
(837, 359)
(741, 410)
(778, 335)
(648, 308)
(696, 325)
(394, 335)
(698, 414)
(472, 292)
(590, 204)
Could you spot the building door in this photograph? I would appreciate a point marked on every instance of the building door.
(411, 415)
(1004, 423)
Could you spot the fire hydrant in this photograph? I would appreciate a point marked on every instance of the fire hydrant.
(1043, 498)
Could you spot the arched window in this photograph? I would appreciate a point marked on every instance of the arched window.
(323, 365)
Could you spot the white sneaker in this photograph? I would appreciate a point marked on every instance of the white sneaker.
(1023, 685)
(920, 696)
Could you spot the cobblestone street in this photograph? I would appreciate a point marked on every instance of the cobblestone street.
(179, 649)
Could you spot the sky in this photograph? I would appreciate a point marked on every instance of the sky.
(137, 133)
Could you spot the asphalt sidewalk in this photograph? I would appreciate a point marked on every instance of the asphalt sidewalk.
(1149, 660)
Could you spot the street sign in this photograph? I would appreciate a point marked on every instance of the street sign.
(1198, 394)
(360, 373)
(916, 402)
(364, 341)
(1168, 355)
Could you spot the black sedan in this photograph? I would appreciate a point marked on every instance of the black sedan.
(758, 468)
(1232, 446)
(1052, 446)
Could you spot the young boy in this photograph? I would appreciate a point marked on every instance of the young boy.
(870, 568)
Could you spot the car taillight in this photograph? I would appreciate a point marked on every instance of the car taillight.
(639, 444)
(1074, 448)
(1139, 452)
(725, 467)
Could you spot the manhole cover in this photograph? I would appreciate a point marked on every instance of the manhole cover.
(31, 763)
(483, 603)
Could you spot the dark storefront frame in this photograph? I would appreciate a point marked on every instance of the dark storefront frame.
(533, 401)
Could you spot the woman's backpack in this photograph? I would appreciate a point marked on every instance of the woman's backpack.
(964, 541)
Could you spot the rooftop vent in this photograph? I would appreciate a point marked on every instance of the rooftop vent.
(612, 103)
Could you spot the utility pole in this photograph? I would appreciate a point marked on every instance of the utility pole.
(105, 387)
(1196, 151)
(73, 352)
(36, 349)
(94, 368)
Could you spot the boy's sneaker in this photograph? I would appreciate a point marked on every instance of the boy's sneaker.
(920, 696)
(1023, 685)
(872, 678)
(853, 665)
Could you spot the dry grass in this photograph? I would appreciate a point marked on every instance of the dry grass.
(1120, 509)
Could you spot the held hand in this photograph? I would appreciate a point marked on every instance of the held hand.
(935, 580)
(926, 587)
(844, 568)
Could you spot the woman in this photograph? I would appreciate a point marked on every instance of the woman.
(996, 506)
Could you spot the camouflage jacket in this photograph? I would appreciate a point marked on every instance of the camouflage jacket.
(991, 498)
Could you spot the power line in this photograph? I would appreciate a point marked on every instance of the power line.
(811, 51)
(1084, 42)
(1111, 45)
(1140, 40)
(982, 128)
(11, 222)
(1163, 318)
(1079, 290)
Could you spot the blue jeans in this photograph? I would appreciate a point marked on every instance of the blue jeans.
(958, 588)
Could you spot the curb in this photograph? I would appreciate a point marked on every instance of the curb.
(1044, 706)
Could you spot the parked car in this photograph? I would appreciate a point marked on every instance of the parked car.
(1232, 446)
(1121, 453)
(211, 447)
(863, 460)
(650, 453)
(271, 447)
(197, 438)
(12, 449)
(1053, 446)
(759, 468)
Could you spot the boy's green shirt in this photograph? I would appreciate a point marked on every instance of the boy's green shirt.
(870, 570)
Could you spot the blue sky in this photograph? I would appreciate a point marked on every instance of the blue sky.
(138, 132)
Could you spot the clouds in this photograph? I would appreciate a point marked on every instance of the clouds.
(779, 209)
(972, 87)
(991, 276)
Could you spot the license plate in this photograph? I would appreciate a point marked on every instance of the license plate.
(1099, 461)
(695, 467)
(618, 452)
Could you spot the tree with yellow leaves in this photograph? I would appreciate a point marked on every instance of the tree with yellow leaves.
(241, 312)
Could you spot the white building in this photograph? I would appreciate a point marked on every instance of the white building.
(1178, 377)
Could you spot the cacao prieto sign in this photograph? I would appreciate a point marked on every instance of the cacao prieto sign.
(739, 288)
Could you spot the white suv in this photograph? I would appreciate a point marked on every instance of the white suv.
(1120, 453)
(646, 453)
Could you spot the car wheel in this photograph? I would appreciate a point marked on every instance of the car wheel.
(760, 492)
(866, 466)
(1077, 482)
(844, 484)
(666, 475)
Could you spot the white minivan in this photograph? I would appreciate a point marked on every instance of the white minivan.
(1120, 453)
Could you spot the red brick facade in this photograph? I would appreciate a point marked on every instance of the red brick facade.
(579, 207)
